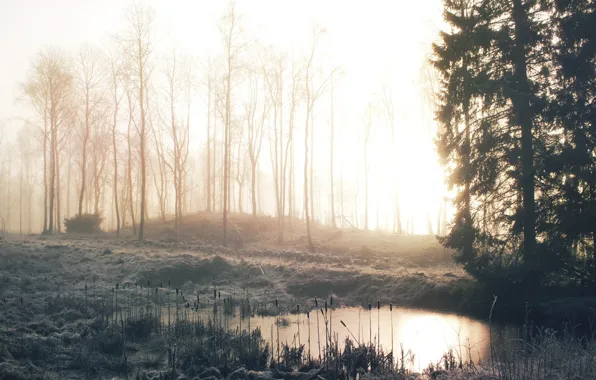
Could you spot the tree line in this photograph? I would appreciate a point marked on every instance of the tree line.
(113, 126)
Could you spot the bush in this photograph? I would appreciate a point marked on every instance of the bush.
(83, 223)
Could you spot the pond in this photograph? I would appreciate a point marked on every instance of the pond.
(423, 336)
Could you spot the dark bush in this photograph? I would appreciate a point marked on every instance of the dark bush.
(83, 223)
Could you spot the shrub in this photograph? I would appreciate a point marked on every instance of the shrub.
(83, 223)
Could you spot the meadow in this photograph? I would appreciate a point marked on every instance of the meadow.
(96, 306)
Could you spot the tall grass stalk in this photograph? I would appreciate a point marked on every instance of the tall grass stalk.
(370, 323)
(308, 319)
(490, 334)
(298, 322)
(391, 317)
(318, 329)
(378, 322)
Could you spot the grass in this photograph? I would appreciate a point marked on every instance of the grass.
(60, 317)
(121, 330)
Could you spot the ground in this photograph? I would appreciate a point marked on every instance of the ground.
(57, 293)
(356, 266)
(48, 283)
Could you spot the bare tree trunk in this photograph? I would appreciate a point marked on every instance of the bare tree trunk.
(45, 173)
(341, 195)
(115, 152)
(366, 138)
(84, 155)
(58, 197)
(306, 204)
(130, 187)
(209, 143)
(291, 186)
(214, 165)
(142, 147)
(226, 150)
(21, 200)
(68, 197)
(282, 174)
(52, 171)
(230, 33)
(312, 177)
(333, 224)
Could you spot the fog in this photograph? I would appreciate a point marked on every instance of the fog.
(148, 107)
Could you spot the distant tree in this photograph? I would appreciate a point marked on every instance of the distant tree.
(210, 180)
(256, 111)
(137, 48)
(288, 166)
(331, 146)
(388, 106)
(312, 93)
(368, 120)
(274, 73)
(129, 161)
(49, 89)
(234, 44)
(115, 71)
(179, 84)
(90, 75)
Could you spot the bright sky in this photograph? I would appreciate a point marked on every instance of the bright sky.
(373, 41)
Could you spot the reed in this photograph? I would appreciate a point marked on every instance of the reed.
(129, 317)
(318, 329)
(370, 323)
(391, 318)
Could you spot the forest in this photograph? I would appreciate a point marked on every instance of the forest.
(412, 192)
(114, 132)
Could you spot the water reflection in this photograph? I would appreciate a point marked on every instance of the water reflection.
(423, 336)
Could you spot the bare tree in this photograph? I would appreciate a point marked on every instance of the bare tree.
(274, 76)
(161, 187)
(100, 145)
(312, 92)
(331, 146)
(49, 89)
(367, 126)
(256, 110)
(28, 159)
(89, 79)
(116, 74)
(179, 79)
(210, 78)
(137, 48)
(129, 156)
(289, 149)
(234, 44)
(387, 101)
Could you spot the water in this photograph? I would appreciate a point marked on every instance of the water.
(424, 336)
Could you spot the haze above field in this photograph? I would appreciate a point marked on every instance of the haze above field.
(372, 60)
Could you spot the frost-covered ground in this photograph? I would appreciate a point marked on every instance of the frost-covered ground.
(57, 317)
(53, 290)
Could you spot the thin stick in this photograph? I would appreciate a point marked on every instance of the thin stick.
(308, 318)
(370, 324)
(378, 323)
(391, 314)
(318, 330)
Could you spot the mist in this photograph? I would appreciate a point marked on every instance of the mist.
(142, 122)
(311, 190)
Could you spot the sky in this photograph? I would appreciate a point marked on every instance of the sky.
(376, 43)
(363, 35)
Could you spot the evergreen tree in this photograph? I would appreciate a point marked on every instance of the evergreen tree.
(571, 169)
(494, 92)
